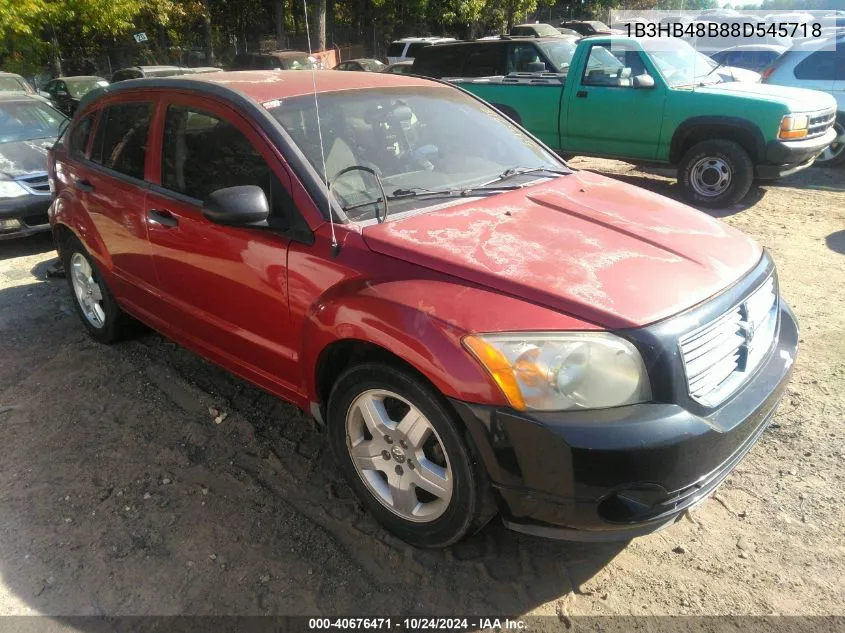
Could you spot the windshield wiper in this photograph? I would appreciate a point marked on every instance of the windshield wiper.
(512, 172)
(485, 188)
(712, 70)
(417, 192)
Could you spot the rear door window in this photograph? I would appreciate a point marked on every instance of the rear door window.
(484, 61)
(121, 140)
(521, 56)
(441, 61)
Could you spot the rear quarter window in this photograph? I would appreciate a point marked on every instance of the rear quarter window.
(821, 65)
(416, 47)
(396, 49)
(440, 61)
(78, 141)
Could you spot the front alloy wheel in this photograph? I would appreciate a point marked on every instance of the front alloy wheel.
(402, 450)
(398, 455)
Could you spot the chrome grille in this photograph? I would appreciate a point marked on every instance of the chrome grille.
(38, 184)
(819, 122)
(719, 356)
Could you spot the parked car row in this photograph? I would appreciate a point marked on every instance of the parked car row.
(720, 136)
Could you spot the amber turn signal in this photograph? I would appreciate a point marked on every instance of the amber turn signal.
(499, 367)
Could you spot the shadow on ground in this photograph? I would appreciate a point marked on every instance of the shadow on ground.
(32, 245)
(836, 242)
(119, 494)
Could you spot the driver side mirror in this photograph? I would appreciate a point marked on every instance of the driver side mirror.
(237, 206)
(644, 81)
(536, 67)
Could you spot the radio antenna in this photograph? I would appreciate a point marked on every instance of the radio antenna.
(335, 245)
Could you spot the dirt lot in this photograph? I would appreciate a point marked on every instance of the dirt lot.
(120, 495)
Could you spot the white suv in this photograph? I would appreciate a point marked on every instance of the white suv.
(406, 48)
(807, 65)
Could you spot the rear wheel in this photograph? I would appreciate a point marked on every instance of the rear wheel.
(834, 154)
(400, 449)
(716, 173)
(100, 314)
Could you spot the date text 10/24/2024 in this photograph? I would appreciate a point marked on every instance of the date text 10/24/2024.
(418, 624)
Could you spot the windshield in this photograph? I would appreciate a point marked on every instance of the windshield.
(25, 121)
(680, 64)
(372, 65)
(598, 26)
(559, 53)
(80, 87)
(296, 63)
(432, 138)
(11, 84)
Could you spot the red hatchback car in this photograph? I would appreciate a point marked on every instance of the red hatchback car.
(480, 328)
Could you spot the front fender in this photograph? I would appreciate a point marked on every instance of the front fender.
(414, 333)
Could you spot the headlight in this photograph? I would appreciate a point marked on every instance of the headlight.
(793, 126)
(552, 371)
(11, 189)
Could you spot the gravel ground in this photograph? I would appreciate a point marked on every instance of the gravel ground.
(120, 494)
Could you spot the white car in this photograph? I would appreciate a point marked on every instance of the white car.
(815, 64)
(406, 49)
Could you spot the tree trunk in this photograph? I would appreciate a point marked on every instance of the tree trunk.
(279, 6)
(320, 24)
(330, 38)
(208, 34)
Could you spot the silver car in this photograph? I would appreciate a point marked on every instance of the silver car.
(818, 65)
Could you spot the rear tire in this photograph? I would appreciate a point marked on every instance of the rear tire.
(716, 173)
(398, 445)
(94, 302)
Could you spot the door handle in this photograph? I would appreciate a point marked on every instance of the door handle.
(162, 217)
(84, 185)
(581, 94)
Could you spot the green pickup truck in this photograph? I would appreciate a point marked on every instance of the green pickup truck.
(660, 101)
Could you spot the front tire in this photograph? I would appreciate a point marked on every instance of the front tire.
(834, 154)
(94, 302)
(399, 447)
(716, 173)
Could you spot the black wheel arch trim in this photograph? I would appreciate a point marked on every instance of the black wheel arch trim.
(689, 126)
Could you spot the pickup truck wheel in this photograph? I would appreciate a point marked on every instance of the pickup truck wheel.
(716, 173)
(100, 314)
(401, 451)
(834, 154)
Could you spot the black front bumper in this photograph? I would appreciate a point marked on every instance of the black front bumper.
(31, 212)
(787, 157)
(619, 473)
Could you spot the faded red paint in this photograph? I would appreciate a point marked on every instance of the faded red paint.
(585, 245)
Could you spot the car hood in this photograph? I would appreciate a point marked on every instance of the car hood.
(797, 99)
(603, 251)
(733, 73)
(24, 157)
